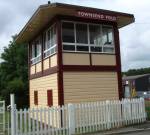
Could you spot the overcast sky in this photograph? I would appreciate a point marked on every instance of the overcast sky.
(134, 39)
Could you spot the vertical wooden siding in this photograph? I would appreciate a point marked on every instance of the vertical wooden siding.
(41, 85)
(90, 86)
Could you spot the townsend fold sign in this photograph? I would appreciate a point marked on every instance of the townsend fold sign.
(97, 16)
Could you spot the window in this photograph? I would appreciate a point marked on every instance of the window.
(36, 51)
(95, 35)
(68, 32)
(149, 79)
(81, 33)
(107, 35)
(36, 97)
(85, 37)
(50, 41)
(49, 98)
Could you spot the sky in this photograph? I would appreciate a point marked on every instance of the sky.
(134, 38)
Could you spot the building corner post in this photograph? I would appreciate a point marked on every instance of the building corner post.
(118, 61)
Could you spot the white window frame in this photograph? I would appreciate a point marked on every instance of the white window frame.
(36, 59)
(48, 52)
(89, 45)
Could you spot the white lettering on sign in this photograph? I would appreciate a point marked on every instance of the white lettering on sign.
(96, 16)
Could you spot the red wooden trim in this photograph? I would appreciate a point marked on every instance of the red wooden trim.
(91, 53)
(49, 98)
(35, 68)
(49, 71)
(59, 63)
(36, 97)
(83, 68)
(86, 20)
(90, 57)
(118, 61)
(46, 72)
(42, 51)
(50, 61)
(90, 9)
(29, 71)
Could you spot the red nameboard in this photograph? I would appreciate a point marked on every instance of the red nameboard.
(97, 16)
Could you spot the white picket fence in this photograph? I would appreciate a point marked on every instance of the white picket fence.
(77, 118)
(2, 117)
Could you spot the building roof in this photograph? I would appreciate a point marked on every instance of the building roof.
(46, 12)
(134, 77)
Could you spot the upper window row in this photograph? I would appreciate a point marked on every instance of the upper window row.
(49, 45)
(87, 37)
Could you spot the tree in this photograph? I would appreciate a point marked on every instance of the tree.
(14, 73)
(140, 71)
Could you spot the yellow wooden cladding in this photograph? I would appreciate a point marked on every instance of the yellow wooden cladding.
(76, 59)
(41, 85)
(46, 63)
(39, 67)
(90, 86)
(103, 59)
(32, 69)
(53, 60)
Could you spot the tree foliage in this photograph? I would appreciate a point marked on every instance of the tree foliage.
(140, 71)
(14, 73)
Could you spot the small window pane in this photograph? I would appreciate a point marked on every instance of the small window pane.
(107, 35)
(69, 47)
(48, 39)
(95, 37)
(38, 45)
(53, 36)
(96, 49)
(81, 33)
(33, 50)
(83, 48)
(68, 32)
(109, 50)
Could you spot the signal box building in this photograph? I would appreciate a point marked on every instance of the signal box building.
(74, 54)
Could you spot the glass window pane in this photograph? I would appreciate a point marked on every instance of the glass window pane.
(107, 35)
(33, 50)
(44, 37)
(69, 47)
(108, 49)
(48, 39)
(68, 32)
(83, 48)
(95, 37)
(81, 33)
(54, 35)
(96, 49)
(38, 47)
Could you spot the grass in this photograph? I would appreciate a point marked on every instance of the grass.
(147, 107)
(7, 114)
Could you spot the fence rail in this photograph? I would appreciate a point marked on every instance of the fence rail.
(77, 118)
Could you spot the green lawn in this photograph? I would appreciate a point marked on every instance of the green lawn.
(147, 107)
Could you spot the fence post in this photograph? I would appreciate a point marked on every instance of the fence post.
(71, 118)
(12, 103)
(108, 121)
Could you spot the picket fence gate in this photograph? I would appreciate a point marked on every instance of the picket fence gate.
(77, 118)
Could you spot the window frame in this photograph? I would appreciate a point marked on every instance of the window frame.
(48, 50)
(88, 35)
(37, 58)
